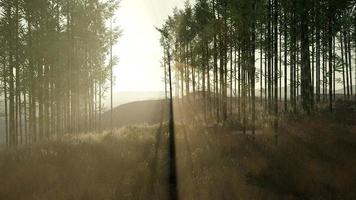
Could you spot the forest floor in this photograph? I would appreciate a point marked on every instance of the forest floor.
(314, 158)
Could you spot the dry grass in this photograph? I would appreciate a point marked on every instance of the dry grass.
(93, 166)
(314, 158)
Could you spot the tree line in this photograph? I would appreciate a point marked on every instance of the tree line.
(291, 55)
(54, 70)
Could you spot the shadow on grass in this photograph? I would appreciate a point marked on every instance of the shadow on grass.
(122, 165)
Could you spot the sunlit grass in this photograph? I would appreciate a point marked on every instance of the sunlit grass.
(312, 159)
(114, 165)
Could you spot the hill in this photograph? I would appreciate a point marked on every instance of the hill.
(338, 91)
(140, 112)
(124, 97)
(131, 108)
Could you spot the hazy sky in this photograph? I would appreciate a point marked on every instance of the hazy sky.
(138, 49)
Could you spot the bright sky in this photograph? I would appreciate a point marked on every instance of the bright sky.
(138, 49)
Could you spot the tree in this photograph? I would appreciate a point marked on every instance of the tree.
(220, 37)
(54, 62)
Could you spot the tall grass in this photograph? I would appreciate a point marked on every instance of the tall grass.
(106, 166)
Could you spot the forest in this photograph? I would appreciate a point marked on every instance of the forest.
(54, 68)
(256, 99)
(268, 56)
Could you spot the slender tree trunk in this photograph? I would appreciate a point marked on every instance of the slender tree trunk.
(253, 72)
(343, 65)
(5, 101)
(261, 66)
(350, 61)
(330, 60)
(231, 78)
(317, 64)
(346, 65)
(18, 121)
(276, 68)
(305, 61)
(25, 118)
(285, 64)
(12, 127)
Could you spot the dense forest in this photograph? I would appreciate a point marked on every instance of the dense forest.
(54, 66)
(269, 57)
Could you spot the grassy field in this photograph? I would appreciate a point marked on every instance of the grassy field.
(122, 165)
(314, 158)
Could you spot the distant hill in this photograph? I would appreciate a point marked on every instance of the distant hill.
(150, 112)
(338, 91)
(120, 98)
(258, 92)
(139, 112)
(341, 91)
(147, 110)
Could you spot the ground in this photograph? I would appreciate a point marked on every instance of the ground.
(122, 165)
(313, 158)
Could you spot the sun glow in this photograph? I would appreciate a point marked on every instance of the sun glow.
(138, 49)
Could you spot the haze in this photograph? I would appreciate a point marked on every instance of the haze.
(138, 49)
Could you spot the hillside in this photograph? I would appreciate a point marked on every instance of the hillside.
(140, 112)
(124, 97)
(130, 108)
(338, 91)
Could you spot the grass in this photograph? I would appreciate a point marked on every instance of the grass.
(92, 166)
(314, 158)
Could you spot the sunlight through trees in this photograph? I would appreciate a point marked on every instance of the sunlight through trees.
(299, 52)
(54, 66)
